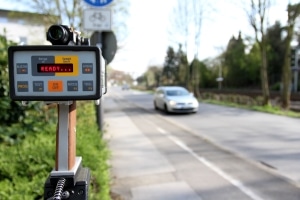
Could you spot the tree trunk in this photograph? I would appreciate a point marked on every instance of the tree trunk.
(286, 77)
(264, 76)
(196, 81)
(293, 13)
(286, 71)
(187, 78)
(192, 77)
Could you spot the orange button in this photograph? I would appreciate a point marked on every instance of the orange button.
(55, 86)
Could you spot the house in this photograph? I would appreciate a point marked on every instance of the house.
(24, 28)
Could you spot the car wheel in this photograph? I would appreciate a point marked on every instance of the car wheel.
(166, 108)
(155, 106)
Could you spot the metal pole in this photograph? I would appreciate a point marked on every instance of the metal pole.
(99, 109)
(72, 135)
(66, 137)
(99, 115)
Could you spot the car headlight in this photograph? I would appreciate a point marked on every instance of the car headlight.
(172, 103)
(195, 102)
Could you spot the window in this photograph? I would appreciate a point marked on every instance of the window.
(3, 19)
(177, 93)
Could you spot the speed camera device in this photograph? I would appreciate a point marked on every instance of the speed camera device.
(54, 73)
(63, 35)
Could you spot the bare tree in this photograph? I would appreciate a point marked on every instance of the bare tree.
(179, 33)
(197, 22)
(186, 30)
(198, 10)
(186, 24)
(257, 15)
(66, 11)
(293, 13)
(179, 27)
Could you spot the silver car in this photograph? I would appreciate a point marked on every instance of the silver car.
(175, 99)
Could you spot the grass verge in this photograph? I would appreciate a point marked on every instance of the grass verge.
(267, 109)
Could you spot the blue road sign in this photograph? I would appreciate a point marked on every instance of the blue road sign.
(98, 3)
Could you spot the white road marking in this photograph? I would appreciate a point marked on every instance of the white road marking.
(213, 167)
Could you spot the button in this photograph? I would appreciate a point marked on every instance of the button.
(87, 86)
(38, 86)
(22, 86)
(55, 86)
(87, 68)
(72, 85)
(22, 68)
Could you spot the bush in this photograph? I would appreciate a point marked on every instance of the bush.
(233, 98)
(275, 87)
(24, 166)
(10, 111)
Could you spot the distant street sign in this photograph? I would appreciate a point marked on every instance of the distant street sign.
(98, 3)
(97, 19)
(219, 79)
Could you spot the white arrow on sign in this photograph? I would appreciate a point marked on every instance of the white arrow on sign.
(97, 19)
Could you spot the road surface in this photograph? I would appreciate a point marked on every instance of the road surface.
(218, 153)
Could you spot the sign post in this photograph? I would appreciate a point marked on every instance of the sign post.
(99, 20)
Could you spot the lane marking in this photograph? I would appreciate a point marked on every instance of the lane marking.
(213, 167)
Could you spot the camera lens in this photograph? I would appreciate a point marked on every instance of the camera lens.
(58, 34)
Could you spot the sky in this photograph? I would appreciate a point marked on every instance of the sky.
(149, 24)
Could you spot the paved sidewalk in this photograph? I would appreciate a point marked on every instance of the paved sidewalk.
(139, 170)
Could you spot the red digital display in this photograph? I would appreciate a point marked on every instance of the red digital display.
(54, 68)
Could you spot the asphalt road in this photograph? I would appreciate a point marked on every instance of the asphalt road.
(218, 153)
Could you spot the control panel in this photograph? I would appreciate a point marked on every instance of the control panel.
(54, 73)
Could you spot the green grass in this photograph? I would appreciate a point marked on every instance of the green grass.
(267, 109)
(94, 152)
(25, 166)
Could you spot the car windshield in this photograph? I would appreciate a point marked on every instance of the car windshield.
(177, 93)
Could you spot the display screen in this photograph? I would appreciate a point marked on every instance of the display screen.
(54, 68)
